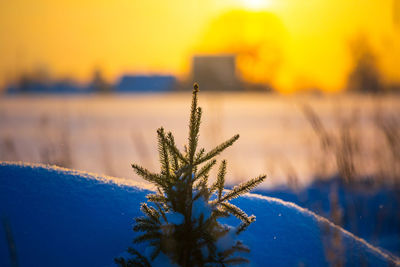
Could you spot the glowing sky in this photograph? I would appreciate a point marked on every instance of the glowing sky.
(300, 44)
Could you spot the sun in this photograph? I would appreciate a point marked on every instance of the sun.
(256, 4)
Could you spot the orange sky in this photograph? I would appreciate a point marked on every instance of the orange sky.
(298, 44)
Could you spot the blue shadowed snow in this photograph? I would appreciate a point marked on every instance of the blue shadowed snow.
(61, 217)
(368, 210)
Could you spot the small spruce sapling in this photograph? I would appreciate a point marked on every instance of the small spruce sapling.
(181, 218)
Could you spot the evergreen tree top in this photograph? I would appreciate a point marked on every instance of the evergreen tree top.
(181, 219)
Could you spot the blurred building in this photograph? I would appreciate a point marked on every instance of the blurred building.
(215, 73)
(142, 83)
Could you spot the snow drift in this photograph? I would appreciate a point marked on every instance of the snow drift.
(61, 217)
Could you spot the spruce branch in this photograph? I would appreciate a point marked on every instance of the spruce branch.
(163, 152)
(203, 172)
(243, 188)
(161, 211)
(174, 150)
(151, 212)
(144, 227)
(220, 182)
(144, 220)
(156, 198)
(243, 226)
(139, 261)
(219, 213)
(199, 154)
(148, 236)
(148, 176)
(174, 157)
(194, 125)
(235, 211)
(217, 150)
(238, 247)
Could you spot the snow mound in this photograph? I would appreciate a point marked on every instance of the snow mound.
(60, 217)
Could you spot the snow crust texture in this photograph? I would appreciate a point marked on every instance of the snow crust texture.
(61, 217)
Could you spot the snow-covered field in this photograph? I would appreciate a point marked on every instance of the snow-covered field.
(106, 134)
(61, 217)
